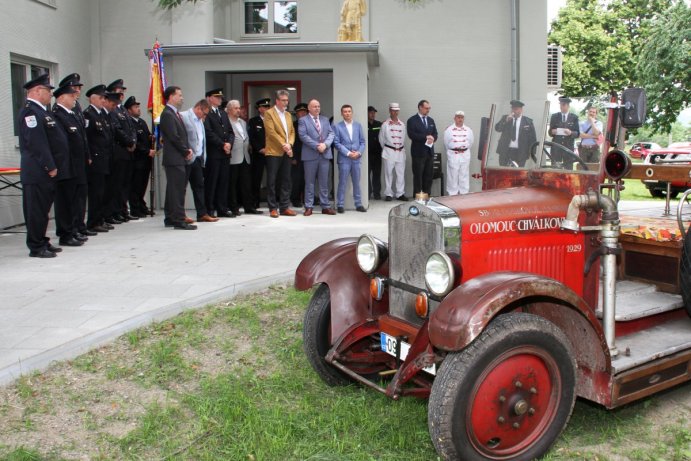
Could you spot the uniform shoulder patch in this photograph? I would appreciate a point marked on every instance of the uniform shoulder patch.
(30, 121)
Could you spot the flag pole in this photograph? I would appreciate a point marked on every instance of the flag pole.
(155, 106)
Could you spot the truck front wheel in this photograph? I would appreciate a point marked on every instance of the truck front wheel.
(507, 396)
(316, 335)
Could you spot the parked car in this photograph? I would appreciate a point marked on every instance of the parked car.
(672, 155)
(641, 149)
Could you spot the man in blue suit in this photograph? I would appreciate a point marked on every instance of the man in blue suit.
(349, 140)
(422, 133)
(317, 136)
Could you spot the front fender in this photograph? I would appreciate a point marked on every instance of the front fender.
(335, 264)
(467, 310)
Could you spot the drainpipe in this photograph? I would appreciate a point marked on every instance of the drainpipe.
(514, 50)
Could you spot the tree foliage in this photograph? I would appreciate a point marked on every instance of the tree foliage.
(610, 45)
(664, 63)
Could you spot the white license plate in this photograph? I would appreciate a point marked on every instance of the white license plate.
(389, 345)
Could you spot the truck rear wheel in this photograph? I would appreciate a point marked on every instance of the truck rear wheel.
(507, 396)
(317, 337)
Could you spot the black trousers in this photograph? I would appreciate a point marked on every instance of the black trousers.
(297, 177)
(80, 206)
(141, 175)
(119, 186)
(374, 164)
(258, 165)
(97, 198)
(65, 207)
(423, 171)
(36, 202)
(216, 179)
(176, 186)
(240, 189)
(195, 176)
(278, 167)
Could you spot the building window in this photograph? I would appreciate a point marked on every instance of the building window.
(21, 71)
(271, 17)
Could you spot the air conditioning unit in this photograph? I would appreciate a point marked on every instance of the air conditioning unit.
(553, 67)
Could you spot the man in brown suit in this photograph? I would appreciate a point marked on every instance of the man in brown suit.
(280, 137)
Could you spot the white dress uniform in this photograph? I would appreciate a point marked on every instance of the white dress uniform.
(458, 141)
(392, 140)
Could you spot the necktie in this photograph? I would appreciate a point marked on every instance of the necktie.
(513, 130)
(563, 118)
(424, 120)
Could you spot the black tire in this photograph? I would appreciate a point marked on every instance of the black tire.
(685, 271)
(657, 193)
(515, 358)
(316, 337)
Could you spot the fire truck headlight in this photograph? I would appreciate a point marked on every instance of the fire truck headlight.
(439, 273)
(370, 253)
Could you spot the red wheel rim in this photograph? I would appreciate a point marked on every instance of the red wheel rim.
(513, 402)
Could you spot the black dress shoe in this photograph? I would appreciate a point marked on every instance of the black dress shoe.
(89, 233)
(340, 209)
(131, 217)
(184, 226)
(96, 229)
(236, 212)
(80, 237)
(402, 198)
(112, 220)
(107, 226)
(253, 211)
(70, 242)
(44, 253)
(225, 214)
(361, 209)
(377, 197)
(388, 198)
(53, 249)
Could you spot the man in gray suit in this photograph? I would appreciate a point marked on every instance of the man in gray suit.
(176, 154)
(317, 136)
(193, 119)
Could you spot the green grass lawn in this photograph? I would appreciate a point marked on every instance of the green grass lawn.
(232, 383)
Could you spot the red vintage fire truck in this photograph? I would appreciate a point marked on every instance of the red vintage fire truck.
(504, 305)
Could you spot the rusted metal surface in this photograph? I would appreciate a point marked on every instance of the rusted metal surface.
(662, 172)
(467, 310)
(419, 356)
(334, 263)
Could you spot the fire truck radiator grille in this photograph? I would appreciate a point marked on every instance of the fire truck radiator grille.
(410, 243)
(544, 260)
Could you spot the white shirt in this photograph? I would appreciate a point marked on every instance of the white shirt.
(69, 111)
(514, 144)
(349, 127)
(282, 116)
(98, 111)
(199, 128)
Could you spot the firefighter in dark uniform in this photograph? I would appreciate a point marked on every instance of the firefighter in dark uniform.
(71, 170)
(374, 151)
(39, 159)
(100, 138)
(143, 153)
(255, 128)
(297, 169)
(73, 81)
(124, 143)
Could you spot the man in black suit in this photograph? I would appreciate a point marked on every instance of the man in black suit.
(73, 170)
(100, 138)
(517, 136)
(40, 151)
(176, 154)
(255, 129)
(141, 160)
(422, 132)
(219, 141)
(564, 129)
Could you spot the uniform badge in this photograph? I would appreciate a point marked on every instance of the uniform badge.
(31, 121)
(86, 123)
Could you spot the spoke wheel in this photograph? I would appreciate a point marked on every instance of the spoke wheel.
(507, 396)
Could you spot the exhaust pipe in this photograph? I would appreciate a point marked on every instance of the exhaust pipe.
(609, 238)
